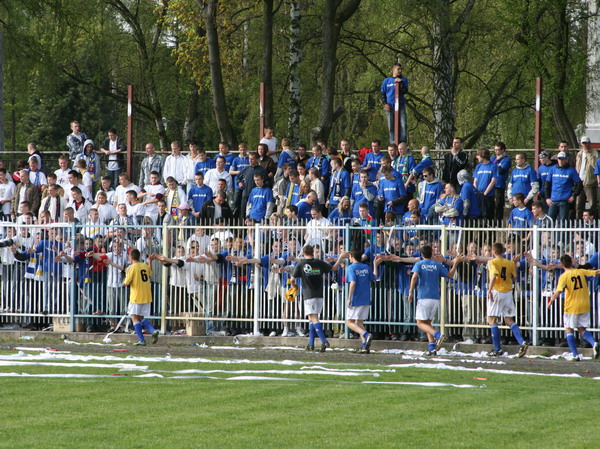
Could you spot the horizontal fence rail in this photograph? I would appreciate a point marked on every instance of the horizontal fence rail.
(217, 279)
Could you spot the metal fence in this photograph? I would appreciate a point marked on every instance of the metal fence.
(234, 279)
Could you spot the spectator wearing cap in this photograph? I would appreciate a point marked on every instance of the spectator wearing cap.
(185, 218)
(562, 187)
(546, 163)
(586, 164)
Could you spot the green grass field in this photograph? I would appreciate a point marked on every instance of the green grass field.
(315, 411)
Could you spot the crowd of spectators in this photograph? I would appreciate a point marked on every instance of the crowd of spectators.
(213, 204)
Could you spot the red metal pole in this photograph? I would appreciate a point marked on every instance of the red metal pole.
(397, 111)
(538, 121)
(129, 129)
(262, 111)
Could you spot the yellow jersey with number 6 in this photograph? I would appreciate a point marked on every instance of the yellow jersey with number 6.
(505, 271)
(138, 279)
(577, 299)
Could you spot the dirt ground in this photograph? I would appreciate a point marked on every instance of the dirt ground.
(226, 348)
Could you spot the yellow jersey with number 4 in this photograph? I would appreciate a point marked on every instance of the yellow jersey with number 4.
(138, 279)
(577, 299)
(505, 271)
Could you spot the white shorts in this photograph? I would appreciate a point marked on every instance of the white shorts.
(139, 309)
(427, 309)
(360, 313)
(313, 306)
(502, 305)
(577, 320)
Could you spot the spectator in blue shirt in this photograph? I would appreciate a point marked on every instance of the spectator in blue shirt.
(484, 180)
(520, 217)
(416, 172)
(468, 194)
(239, 164)
(372, 162)
(364, 193)
(450, 207)
(388, 97)
(391, 192)
(199, 194)
(321, 163)
(545, 165)
(339, 185)
(503, 164)
(524, 180)
(562, 187)
(260, 201)
(205, 163)
(430, 190)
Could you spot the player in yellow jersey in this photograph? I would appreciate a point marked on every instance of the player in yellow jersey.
(500, 302)
(140, 296)
(576, 313)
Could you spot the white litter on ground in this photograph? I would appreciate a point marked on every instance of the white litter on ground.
(479, 369)
(272, 371)
(424, 384)
(128, 366)
(93, 343)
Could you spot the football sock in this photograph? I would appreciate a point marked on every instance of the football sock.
(496, 337)
(437, 335)
(589, 337)
(319, 330)
(148, 326)
(365, 334)
(432, 346)
(572, 344)
(514, 327)
(311, 334)
(138, 331)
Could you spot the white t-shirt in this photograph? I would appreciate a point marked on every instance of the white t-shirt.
(272, 144)
(7, 192)
(112, 158)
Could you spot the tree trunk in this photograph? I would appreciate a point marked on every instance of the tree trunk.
(208, 9)
(267, 62)
(192, 115)
(294, 66)
(443, 84)
(333, 20)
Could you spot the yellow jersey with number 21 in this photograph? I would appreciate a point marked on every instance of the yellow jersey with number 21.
(577, 299)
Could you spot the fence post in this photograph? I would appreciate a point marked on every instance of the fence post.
(536, 287)
(443, 284)
(73, 284)
(256, 278)
(346, 287)
(164, 286)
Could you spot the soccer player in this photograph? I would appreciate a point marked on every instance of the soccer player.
(500, 302)
(577, 304)
(311, 271)
(429, 272)
(359, 276)
(140, 297)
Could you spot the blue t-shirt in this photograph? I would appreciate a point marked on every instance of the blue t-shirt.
(374, 160)
(388, 87)
(229, 158)
(520, 218)
(467, 192)
(321, 163)
(483, 174)
(340, 186)
(358, 197)
(285, 157)
(392, 189)
(430, 272)
(422, 165)
(405, 165)
(431, 193)
(198, 196)
(239, 164)
(259, 198)
(521, 179)
(362, 275)
(203, 167)
(543, 171)
(340, 219)
(562, 180)
(304, 208)
(503, 166)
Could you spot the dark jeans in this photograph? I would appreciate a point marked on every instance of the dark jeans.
(114, 176)
(499, 204)
(559, 210)
(390, 120)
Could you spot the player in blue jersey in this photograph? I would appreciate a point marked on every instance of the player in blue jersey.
(428, 273)
(359, 277)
